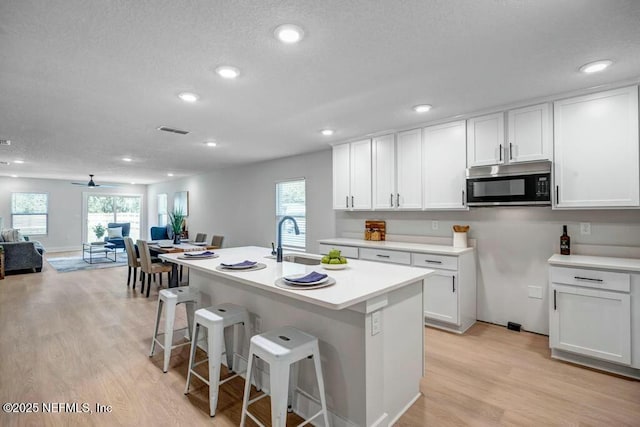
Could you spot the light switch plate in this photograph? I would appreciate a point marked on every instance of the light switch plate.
(535, 292)
(585, 228)
(434, 225)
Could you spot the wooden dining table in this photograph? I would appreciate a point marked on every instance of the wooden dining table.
(155, 247)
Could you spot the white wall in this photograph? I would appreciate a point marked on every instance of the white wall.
(65, 208)
(239, 203)
(513, 247)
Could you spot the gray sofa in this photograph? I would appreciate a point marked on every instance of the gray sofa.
(22, 256)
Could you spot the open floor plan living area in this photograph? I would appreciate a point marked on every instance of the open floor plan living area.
(339, 213)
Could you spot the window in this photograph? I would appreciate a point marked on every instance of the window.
(163, 214)
(29, 212)
(103, 209)
(290, 201)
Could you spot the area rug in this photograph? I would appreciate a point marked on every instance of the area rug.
(76, 263)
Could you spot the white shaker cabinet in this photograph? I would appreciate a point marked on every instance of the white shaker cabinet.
(352, 175)
(384, 172)
(444, 160)
(594, 311)
(596, 150)
(485, 140)
(397, 171)
(441, 297)
(409, 170)
(529, 134)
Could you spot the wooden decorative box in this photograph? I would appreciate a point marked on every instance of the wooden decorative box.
(375, 230)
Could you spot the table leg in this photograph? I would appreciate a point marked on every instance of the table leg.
(173, 281)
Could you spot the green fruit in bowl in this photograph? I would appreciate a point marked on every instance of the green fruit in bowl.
(335, 261)
(325, 259)
(334, 253)
(343, 260)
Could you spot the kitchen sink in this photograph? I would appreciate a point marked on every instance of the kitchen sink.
(298, 259)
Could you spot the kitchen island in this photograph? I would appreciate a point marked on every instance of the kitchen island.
(369, 325)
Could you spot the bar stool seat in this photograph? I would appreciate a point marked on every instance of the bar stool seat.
(171, 298)
(282, 348)
(217, 319)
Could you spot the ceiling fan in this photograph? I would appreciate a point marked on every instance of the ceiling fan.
(92, 184)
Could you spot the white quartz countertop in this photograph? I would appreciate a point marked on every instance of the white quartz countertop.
(588, 261)
(397, 246)
(360, 281)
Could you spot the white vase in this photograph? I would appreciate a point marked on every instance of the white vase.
(459, 239)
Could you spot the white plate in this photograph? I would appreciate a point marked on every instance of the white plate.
(240, 267)
(334, 266)
(199, 243)
(164, 246)
(198, 256)
(297, 276)
(282, 284)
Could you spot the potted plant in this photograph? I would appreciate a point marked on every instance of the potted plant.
(99, 231)
(176, 219)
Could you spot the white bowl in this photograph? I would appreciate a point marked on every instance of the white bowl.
(334, 266)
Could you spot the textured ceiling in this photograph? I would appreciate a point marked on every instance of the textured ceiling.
(85, 83)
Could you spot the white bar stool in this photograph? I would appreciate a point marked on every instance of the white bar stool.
(281, 349)
(171, 298)
(216, 319)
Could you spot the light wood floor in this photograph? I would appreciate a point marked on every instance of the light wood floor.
(84, 337)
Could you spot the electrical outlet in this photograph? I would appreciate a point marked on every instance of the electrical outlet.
(376, 322)
(434, 225)
(585, 228)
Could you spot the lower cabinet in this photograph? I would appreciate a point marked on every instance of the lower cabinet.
(592, 322)
(594, 313)
(441, 297)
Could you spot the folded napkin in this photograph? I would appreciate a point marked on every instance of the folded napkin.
(244, 263)
(311, 277)
(206, 253)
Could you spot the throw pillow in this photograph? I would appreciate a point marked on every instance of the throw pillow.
(11, 235)
(114, 232)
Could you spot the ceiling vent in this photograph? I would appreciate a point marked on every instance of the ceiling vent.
(4, 163)
(168, 129)
(5, 142)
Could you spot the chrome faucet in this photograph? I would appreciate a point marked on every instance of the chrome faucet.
(279, 248)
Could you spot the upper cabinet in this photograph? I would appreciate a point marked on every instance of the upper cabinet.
(485, 140)
(444, 158)
(352, 175)
(397, 171)
(529, 131)
(596, 150)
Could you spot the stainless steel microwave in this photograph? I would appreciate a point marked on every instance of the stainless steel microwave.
(520, 184)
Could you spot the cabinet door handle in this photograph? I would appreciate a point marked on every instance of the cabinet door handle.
(587, 278)
(430, 261)
(557, 194)
(463, 201)
(555, 301)
(391, 199)
(383, 256)
(454, 283)
(500, 152)
(346, 201)
(397, 200)
(352, 201)
(510, 151)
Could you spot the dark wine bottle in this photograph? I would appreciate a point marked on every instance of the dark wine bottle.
(565, 242)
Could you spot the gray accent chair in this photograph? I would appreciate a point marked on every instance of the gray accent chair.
(22, 256)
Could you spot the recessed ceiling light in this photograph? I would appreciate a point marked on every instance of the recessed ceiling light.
(422, 108)
(133, 183)
(14, 176)
(188, 97)
(289, 33)
(210, 144)
(18, 161)
(594, 67)
(169, 174)
(127, 159)
(327, 132)
(227, 72)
